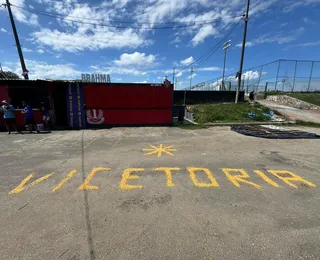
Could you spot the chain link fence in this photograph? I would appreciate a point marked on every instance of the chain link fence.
(280, 76)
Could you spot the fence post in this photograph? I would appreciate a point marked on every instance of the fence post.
(310, 76)
(275, 88)
(294, 76)
(243, 81)
(259, 78)
(265, 90)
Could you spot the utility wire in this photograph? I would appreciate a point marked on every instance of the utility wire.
(211, 51)
(65, 18)
(220, 43)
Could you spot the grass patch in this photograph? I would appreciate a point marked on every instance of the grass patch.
(307, 123)
(228, 112)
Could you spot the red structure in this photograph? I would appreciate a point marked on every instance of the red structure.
(128, 104)
(101, 103)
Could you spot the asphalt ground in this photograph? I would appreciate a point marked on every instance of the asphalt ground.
(121, 194)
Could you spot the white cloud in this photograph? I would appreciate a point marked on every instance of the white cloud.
(40, 51)
(300, 3)
(308, 44)
(176, 40)
(187, 61)
(248, 44)
(209, 69)
(136, 59)
(192, 75)
(100, 38)
(248, 75)
(308, 21)
(204, 32)
(43, 70)
(22, 15)
(283, 24)
(118, 70)
(279, 38)
(179, 74)
(3, 30)
(74, 37)
(24, 49)
(141, 81)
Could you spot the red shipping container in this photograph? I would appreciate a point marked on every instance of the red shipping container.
(128, 96)
(129, 116)
(4, 93)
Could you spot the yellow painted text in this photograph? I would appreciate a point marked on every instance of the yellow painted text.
(192, 171)
(236, 179)
(86, 184)
(168, 172)
(127, 176)
(266, 178)
(64, 180)
(23, 184)
(283, 175)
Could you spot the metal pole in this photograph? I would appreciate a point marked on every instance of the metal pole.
(224, 67)
(174, 70)
(246, 19)
(259, 78)
(23, 65)
(265, 90)
(310, 76)
(191, 77)
(266, 87)
(275, 88)
(243, 81)
(294, 76)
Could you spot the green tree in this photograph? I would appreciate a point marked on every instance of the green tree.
(8, 75)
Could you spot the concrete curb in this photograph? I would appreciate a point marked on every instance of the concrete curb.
(250, 123)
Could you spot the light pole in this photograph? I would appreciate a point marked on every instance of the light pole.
(226, 46)
(191, 72)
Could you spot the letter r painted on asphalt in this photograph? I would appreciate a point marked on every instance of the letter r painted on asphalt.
(241, 177)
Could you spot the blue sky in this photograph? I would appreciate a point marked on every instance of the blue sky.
(61, 49)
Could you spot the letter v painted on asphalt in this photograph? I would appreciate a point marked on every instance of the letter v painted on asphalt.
(23, 184)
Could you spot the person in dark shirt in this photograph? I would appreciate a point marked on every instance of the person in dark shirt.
(28, 117)
(8, 116)
(45, 116)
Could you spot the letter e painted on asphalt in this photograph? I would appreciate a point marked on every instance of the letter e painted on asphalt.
(127, 176)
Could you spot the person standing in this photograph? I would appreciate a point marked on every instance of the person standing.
(8, 116)
(28, 117)
(45, 116)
